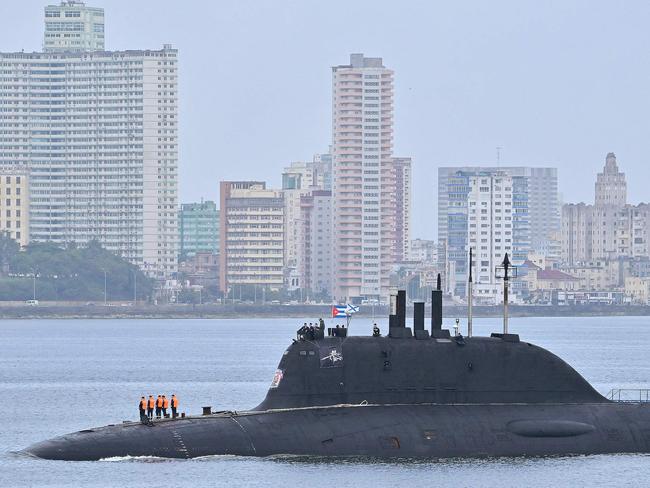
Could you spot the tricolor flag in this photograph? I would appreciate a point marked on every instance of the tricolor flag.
(339, 311)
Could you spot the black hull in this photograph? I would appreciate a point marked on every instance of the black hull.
(384, 431)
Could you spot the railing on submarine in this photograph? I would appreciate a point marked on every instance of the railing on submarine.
(629, 395)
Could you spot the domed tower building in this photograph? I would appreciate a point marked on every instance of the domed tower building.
(610, 200)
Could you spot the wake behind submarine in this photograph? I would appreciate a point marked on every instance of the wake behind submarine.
(415, 393)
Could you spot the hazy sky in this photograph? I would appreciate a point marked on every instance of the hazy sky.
(558, 83)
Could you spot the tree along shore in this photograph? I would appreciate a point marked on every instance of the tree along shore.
(309, 313)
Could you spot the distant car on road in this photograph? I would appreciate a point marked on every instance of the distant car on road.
(32, 303)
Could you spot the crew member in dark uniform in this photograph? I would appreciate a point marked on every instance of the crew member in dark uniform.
(142, 406)
(159, 404)
(165, 406)
(151, 404)
(302, 332)
(375, 331)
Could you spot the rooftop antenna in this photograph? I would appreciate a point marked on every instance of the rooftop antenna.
(469, 296)
(499, 155)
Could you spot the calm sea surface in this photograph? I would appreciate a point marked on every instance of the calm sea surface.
(59, 376)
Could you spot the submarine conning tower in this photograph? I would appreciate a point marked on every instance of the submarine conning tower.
(418, 366)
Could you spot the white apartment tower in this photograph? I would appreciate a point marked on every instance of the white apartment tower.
(98, 132)
(71, 26)
(363, 178)
(490, 228)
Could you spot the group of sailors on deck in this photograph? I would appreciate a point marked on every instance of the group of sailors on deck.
(312, 331)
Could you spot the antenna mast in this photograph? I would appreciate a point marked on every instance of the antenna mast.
(506, 278)
(469, 296)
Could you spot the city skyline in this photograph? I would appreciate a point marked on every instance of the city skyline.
(516, 95)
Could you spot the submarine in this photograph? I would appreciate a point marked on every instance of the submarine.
(413, 393)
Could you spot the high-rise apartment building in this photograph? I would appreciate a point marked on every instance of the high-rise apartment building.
(98, 131)
(14, 202)
(403, 184)
(251, 236)
(323, 170)
(199, 228)
(577, 233)
(315, 255)
(102, 148)
(363, 178)
(543, 200)
(488, 212)
(299, 180)
(71, 26)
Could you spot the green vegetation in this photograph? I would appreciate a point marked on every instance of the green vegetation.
(73, 273)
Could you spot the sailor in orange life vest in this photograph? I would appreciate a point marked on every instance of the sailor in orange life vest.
(174, 406)
(159, 404)
(165, 405)
(142, 406)
(151, 404)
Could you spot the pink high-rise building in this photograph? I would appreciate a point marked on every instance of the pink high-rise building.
(363, 178)
(402, 168)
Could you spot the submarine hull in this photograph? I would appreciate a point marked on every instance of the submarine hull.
(418, 431)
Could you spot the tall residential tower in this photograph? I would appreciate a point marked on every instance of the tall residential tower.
(73, 27)
(98, 132)
(363, 178)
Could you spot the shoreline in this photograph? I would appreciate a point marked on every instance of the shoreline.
(306, 312)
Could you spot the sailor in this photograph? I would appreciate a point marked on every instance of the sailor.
(321, 326)
(165, 406)
(312, 333)
(375, 331)
(336, 331)
(143, 409)
(174, 406)
(150, 406)
(302, 332)
(159, 404)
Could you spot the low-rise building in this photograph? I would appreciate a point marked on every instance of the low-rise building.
(597, 274)
(554, 279)
(424, 251)
(202, 269)
(14, 202)
(638, 289)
